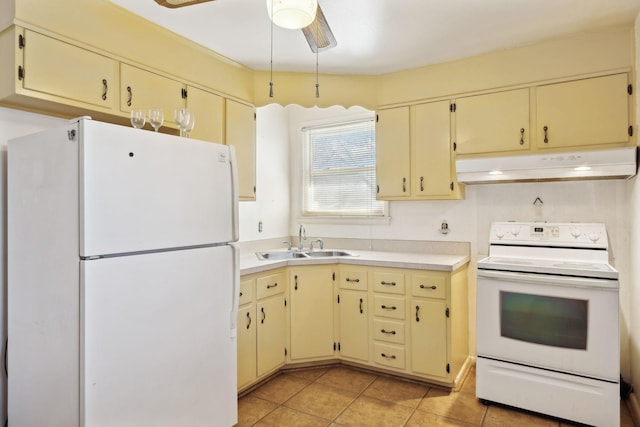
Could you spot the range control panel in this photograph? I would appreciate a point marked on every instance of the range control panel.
(557, 234)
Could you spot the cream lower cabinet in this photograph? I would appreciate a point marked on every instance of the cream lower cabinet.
(311, 308)
(353, 313)
(261, 326)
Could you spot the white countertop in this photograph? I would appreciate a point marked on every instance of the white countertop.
(249, 262)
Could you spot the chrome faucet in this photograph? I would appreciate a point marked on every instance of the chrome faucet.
(302, 235)
(288, 244)
(314, 241)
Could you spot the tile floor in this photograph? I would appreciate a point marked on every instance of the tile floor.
(343, 396)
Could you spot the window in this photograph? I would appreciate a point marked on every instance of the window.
(340, 170)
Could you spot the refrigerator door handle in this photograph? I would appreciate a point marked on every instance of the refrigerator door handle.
(235, 291)
(234, 193)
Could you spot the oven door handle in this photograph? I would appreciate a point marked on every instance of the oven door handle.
(549, 279)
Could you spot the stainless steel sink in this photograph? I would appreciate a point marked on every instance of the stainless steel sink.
(280, 255)
(322, 253)
(277, 255)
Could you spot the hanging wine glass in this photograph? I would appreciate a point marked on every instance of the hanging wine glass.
(137, 119)
(156, 118)
(189, 123)
(179, 117)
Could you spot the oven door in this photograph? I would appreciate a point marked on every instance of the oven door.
(560, 323)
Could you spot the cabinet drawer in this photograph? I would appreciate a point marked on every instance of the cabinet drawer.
(389, 355)
(388, 330)
(388, 281)
(353, 279)
(430, 285)
(387, 306)
(246, 291)
(270, 285)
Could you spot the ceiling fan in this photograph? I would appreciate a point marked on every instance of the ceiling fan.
(318, 33)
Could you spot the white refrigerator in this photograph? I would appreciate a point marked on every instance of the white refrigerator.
(123, 279)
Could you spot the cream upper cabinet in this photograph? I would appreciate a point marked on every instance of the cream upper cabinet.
(311, 312)
(60, 72)
(583, 113)
(431, 159)
(392, 153)
(208, 110)
(142, 90)
(241, 133)
(493, 122)
(414, 153)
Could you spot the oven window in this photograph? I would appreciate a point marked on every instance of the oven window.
(557, 322)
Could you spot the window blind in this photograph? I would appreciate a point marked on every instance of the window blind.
(340, 170)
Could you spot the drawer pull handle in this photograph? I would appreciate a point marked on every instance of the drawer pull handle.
(391, 356)
(129, 96)
(387, 283)
(105, 89)
(361, 311)
(434, 287)
(295, 278)
(272, 286)
(422, 183)
(417, 313)
(521, 136)
(264, 315)
(388, 307)
(353, 280)
(404, 184)
(248, 320)
(546, 137)
(384, 331)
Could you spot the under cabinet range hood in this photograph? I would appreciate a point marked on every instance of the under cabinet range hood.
(598, 164)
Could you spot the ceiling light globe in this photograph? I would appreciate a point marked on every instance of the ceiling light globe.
(292, 14)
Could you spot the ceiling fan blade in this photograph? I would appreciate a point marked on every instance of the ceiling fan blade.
(179, 3)
(318, 33)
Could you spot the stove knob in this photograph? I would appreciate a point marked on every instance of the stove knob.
(594, 237)
(575, 232)
(499, 233)
(515, 231)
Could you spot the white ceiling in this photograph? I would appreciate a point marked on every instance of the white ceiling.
(381, 36)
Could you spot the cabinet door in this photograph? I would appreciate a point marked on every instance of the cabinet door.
(311, 293)
(207, 108)
(493, 122)
(354, 331)
(62, 70)
(141, 90)
(431, 150)
(241, 133)
(428, 337)
(270, 334)
(392, 153)
(247, 351)
(583, 112)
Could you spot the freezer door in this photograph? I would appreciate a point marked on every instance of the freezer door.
(157, 341)
(143, 190)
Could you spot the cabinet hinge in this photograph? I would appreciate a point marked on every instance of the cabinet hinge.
(452, 107)
(630, 89)
(377, 189)
(338, 346)
(333, 276)
(20, 72)
(21, 42)
(630, 130)
(455, 146)
(254, 116)
(254, 189)
(446, 312)
(285, 302)
(338, 299)
(334, 346)
(448, 368)
(285, 352)
(377, 118)
(184, 93)
(451, 186)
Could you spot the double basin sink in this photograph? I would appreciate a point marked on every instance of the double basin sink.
(281, 255)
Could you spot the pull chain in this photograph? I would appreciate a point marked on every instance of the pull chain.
(317, 51)
(271, 70)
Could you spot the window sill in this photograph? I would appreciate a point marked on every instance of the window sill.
(348, 220)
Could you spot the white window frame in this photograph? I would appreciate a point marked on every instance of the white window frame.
(333, 217)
